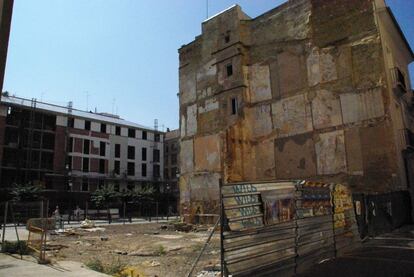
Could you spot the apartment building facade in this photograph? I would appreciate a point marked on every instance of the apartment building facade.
(171, 168)
(63, 149)
(312, 89)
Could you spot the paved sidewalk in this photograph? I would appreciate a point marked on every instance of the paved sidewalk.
(387, 255)
(28, 267)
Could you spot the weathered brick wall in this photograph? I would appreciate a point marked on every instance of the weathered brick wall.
(309, 80)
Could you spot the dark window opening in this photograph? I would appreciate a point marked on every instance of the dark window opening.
(131, 169)
(87, 125)
(103, 128)
(86, 146)
(71, 122)
(144, 154)
(227, 38)
(229, 69)
(156, 155)
(69, 163)
(117, 150)
(85, 165)
(157, 137)
(48, 141)
(117, 166)
(144, 134)
(118, 130)
(101, 166)
(102, 148)
(131, 152)
(144, 170)
(173, 159)
(70, 147)
(156, 170)
(166, 176)
(234, 106)
(131, 133)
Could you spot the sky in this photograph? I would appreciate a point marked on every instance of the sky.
(118, 56)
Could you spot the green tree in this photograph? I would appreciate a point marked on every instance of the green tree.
(26, 192)
(102, 196)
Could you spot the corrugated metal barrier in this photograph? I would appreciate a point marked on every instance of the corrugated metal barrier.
(284, 227)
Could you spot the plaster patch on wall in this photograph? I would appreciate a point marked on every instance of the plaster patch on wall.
(330, 153)
(362, 106)
(260, 89)
(182, 126)
(187, 88)
(205, 187)
(203, 93)
(207, 153)
(209, 105)
(292, 116)
(259, 120)
(326, 110)
(192, 120)
(208, 70)
(186, 156)
(314, 74)
(328, 66)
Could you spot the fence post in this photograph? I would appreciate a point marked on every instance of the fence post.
(156, 210)
(6, 205)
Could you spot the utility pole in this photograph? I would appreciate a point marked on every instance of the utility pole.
(6, 11)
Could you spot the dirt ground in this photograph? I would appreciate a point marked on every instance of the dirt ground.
(147, 249)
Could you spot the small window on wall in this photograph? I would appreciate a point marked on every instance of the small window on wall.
(131, 133)
(103, 128)
(234, 106)
(101, 166)
(131, 152)
(86, 146)
(227, 38)
(118, 130)
(157, 137)
(85, 165)
(144, 135)
(229, 70)
(70, 146)
(131, 169)
(102, 148)
(144, 170)
(87, 125)
(117, 150)
(71, 122)
(117, 166)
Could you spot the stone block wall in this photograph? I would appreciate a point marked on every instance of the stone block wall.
(306, 97)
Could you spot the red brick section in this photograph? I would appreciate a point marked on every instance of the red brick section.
(60, 150)
(94, 150)
(78, 145)
(94, 165)
(99, 135)
(2, 130)
(79, 132)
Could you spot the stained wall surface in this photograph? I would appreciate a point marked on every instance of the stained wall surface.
(302, 91)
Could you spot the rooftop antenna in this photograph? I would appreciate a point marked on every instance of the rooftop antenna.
(87, 100)
(206, 9)
(156, 124)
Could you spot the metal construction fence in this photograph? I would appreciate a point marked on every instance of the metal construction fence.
(284, 227)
